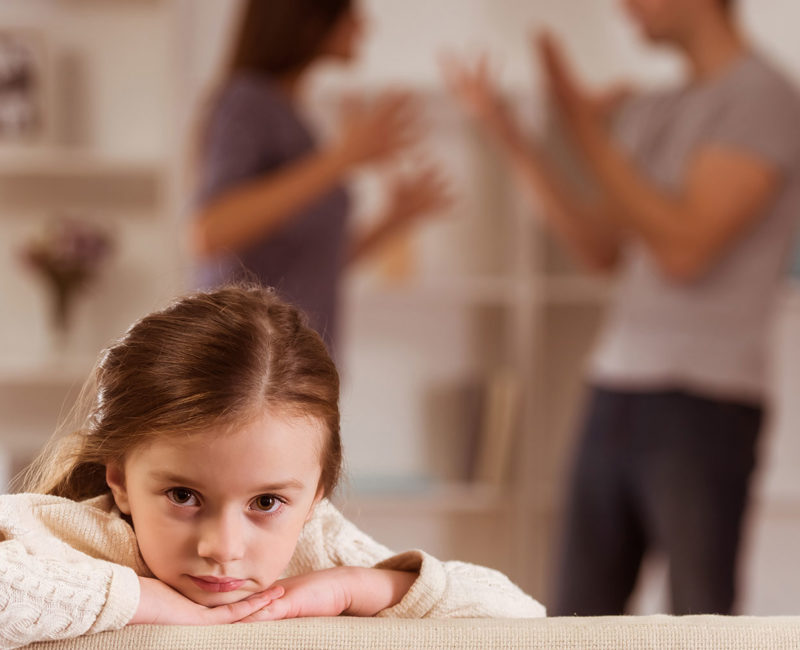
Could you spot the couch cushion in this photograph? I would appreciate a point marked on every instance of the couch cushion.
(578, 633)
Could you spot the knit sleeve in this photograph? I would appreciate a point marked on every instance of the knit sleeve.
(457, 590)
(442, 589)
(44, 598)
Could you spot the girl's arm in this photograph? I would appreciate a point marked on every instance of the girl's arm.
(44, 598)
(350, 590)
(458, 590)
(159, 604)
(340, 564)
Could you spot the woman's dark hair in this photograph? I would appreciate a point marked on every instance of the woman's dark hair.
(281, 36)
(211, 359)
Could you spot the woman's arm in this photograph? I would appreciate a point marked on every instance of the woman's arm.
(413, 197)
(257, 207)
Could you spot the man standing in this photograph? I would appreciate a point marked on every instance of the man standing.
(697, 192)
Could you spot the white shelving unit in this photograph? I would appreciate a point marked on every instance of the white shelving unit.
(109, 152)
(504, 299)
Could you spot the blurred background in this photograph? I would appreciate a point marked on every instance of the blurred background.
(462, 344)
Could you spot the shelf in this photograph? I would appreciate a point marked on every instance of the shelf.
(568, 288)
(58, 179)
(69, 163)
(427, 497)
(558, 288)
(466, 290)
(64, 374)
(74, 163)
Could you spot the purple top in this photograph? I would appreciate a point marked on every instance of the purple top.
(253, 130)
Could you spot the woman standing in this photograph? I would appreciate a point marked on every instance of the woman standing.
(271, 201)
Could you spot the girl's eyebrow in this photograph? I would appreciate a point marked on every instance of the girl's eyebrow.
(288, 484)
(285, 484)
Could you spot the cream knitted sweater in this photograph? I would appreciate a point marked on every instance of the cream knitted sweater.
(69, 568)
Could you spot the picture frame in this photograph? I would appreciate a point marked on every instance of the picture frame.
(24, 115)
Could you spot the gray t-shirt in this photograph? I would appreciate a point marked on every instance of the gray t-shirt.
(708, 336)
(253, 130)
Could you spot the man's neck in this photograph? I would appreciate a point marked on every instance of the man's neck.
(711, 46)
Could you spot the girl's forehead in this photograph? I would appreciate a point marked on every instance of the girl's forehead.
(265, 451)
(266, 432)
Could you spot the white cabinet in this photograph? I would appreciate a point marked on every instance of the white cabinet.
(108, 151)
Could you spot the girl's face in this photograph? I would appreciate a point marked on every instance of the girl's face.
(343, 40)
(217, 515)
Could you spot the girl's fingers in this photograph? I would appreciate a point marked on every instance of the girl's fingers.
(244, 608)
(273, 611)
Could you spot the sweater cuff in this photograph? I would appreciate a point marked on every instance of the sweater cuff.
(121, 601)
(426, 590)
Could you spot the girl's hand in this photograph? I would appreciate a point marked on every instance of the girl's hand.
(160, 604)
(380, 129)
(341, 590)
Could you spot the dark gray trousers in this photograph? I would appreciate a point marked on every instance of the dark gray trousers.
(662, 470)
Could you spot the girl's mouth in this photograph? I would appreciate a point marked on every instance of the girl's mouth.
(213, 584)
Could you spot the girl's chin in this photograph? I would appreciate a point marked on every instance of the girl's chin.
(215, 599)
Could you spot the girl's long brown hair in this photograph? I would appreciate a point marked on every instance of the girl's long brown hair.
(211, 359)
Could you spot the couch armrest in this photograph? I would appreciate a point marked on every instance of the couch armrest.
(578, 633)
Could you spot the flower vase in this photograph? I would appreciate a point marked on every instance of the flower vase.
(60, 323)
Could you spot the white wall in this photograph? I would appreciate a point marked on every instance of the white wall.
(404, 40)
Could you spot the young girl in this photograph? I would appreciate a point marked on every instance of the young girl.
(194, 490)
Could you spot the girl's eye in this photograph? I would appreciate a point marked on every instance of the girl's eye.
(266, 503)
(182, 496)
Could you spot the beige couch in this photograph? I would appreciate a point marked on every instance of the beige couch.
(601, 633)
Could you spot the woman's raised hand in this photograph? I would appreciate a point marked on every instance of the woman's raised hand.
(160, 604)
(423, 192)
(375, 130)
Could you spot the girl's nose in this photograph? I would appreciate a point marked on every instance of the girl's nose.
(221, 538)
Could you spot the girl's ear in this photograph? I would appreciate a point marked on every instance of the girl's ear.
(115, 477)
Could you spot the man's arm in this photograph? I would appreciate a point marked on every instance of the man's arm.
(584, 227)
(723, 192)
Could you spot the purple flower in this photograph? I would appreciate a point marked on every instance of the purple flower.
(68, 255)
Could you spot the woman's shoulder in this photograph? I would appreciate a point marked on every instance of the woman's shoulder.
(251, 92)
